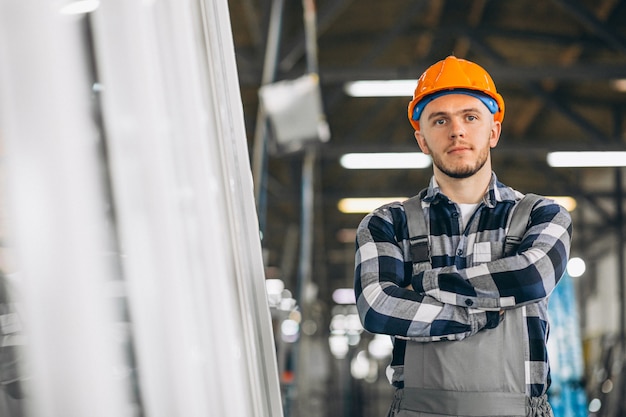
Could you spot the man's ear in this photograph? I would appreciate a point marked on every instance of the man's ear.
(496, 129)
(421, 142)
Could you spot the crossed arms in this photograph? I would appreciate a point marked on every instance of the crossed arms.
(447, 302)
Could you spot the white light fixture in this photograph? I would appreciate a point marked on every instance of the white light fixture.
(364, 205)
(595, 405)
(576, 267)
(294, 108)
(587, 159)
(274, 286)
(389, 160)
(344, 296)
(360, 366)
(380, 88)
(380, 347)
(289, 330)
(338, 345)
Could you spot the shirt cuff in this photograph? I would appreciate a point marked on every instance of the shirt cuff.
(426, 282)
(484, 320)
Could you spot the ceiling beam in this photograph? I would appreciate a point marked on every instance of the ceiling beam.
(400, 26)
(600, 29)
(549, 97)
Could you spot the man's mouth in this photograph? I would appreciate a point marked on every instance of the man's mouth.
(458, 149)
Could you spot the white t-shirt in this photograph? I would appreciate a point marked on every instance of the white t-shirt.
(466, 212)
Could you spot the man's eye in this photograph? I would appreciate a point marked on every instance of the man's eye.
(471, 118)
(440, 122)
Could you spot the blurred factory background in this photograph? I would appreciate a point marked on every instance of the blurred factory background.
(560, 66)
(181, 182)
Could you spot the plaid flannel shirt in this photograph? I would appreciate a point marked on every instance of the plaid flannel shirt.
(469, 282)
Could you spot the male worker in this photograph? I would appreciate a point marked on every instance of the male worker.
(469, 324)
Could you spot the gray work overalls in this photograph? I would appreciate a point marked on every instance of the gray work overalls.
(456, 378)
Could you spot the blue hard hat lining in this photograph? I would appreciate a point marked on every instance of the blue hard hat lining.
(488, 101)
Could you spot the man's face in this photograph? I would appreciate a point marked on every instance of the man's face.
(458, 131)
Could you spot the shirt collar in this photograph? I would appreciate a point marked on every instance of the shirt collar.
(496, 192)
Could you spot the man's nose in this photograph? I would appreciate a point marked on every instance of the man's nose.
(457, 128)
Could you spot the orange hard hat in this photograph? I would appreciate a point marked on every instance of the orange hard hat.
(455, 75)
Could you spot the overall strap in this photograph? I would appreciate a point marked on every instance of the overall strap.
(418, 230)
(519, 222)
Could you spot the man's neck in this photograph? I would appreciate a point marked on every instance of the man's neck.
(464, 190)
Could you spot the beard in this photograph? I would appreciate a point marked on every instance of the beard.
(461, 171)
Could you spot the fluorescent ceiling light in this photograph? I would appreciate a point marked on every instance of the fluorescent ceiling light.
(364, 205)
(619, 85)
(587, 159)
(405, 88)
(380, 88)
(391, 160)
